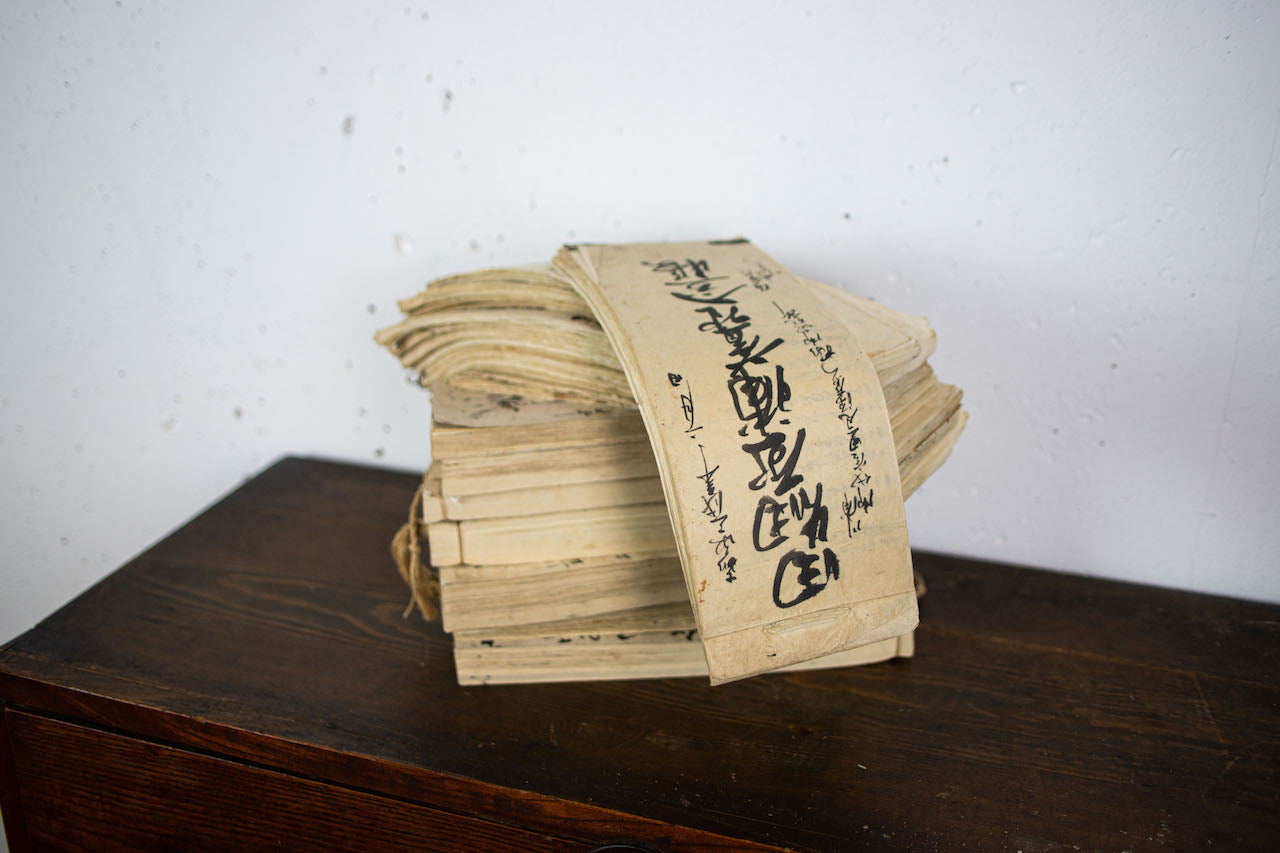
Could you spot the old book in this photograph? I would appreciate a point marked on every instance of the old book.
(601, 527)
(618, 647)
(489, 597)
(490, 594)
(503, 471)
(518, 345)
(536, 442)
(611, 657)
(475, 596)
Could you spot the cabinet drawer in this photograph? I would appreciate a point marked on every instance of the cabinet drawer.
(84, 788)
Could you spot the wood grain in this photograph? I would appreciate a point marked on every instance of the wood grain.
(1043, 711)
(90, 790)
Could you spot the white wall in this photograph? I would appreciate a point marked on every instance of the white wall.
(1082, 197)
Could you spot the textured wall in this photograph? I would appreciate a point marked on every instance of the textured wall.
(209, 207)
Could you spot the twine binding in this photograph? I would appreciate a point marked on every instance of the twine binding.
(406, 548)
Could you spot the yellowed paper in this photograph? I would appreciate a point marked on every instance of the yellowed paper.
(773, 443)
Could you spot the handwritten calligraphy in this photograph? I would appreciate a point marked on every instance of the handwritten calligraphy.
(711, 496)
(860, 478)
(759, 392)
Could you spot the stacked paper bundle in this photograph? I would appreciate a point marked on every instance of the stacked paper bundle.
(551, 555)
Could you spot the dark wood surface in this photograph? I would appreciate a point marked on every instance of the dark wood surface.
(260, 652)
(84, 789)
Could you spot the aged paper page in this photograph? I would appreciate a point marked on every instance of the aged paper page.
(773, 442)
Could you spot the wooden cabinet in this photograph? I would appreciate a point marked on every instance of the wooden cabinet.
(249, 682)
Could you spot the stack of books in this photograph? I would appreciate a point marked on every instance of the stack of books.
(548, 547)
